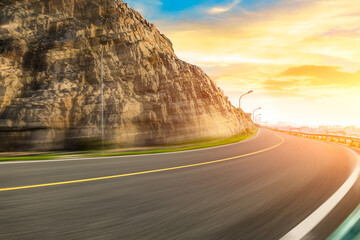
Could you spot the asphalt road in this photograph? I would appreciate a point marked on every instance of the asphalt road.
(276, 182)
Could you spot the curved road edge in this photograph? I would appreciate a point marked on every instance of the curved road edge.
(309, 223)
(144, 172)
(127, 156)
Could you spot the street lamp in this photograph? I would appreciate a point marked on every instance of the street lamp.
(254, 113)
(240, 107)
(103, 41)
(257, 118)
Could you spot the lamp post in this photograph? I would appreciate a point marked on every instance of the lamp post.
(103, 42)
(240, 108)
(254, 113)
(257, 118)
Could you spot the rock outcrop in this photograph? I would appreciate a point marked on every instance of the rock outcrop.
(50, 74)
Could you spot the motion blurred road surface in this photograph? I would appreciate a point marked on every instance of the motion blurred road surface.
(258, 196)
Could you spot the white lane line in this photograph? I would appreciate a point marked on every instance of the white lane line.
(302, 229)
(127, 156)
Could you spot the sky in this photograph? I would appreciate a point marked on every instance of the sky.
(301, 57)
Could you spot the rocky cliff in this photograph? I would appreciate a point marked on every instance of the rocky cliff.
(50, 74)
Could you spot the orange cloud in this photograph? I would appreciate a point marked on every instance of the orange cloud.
(325, 75)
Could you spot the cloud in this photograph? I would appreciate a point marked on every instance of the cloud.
(324, 76)
(221, 59)
(225, 8)
(282, 85)
(312, 82)
(298, 34)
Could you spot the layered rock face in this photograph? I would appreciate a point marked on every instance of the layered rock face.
(50, 74)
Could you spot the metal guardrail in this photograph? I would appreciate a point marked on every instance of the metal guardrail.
(351, 141)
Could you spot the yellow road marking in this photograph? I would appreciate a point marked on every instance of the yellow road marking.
(140, 173)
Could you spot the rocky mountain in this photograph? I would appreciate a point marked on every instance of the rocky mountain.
(50, 74)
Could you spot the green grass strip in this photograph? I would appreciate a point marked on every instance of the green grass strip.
(162, 150)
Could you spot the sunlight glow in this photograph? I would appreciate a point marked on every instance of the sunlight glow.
(301, 57)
